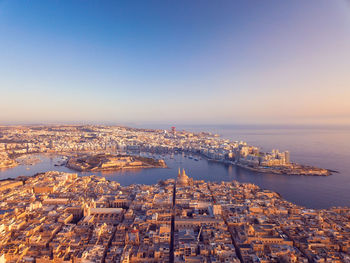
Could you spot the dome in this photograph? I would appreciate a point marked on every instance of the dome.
(182, 178)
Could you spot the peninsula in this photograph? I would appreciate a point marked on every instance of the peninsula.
(110, 162)
(63, 217)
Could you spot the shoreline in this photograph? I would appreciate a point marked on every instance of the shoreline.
(9, 166)
(271, 169)
(20, 177)
(114, 169)
(112, 162)
(25, 178)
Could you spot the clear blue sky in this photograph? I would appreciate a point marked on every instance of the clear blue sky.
(178, 62)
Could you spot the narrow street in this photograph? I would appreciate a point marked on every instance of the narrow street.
(172, 238)
(238, 251)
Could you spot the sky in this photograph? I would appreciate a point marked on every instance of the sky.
(176, 62)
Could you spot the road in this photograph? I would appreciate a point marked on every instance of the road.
(172, 238)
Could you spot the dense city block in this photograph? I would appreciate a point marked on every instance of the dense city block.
(62, 217)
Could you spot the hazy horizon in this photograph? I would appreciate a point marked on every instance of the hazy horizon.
(183, 126)
(180, 63)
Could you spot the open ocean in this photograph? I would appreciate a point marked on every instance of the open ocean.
(326, 147)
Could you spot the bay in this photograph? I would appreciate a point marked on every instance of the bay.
(324, 147)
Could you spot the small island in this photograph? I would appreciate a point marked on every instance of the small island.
(110, 162)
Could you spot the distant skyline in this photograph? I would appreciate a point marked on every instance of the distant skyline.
(181, 62)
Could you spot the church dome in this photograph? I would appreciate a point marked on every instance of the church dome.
(182, 178)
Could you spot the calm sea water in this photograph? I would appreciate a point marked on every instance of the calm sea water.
(326, 147)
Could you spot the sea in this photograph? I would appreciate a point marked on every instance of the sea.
(326, 147)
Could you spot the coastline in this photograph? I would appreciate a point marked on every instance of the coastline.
(23, 179)
(301, 170)
(111, 162)
(272, 170)
(219, 171)
(114, 168)
(8, 166)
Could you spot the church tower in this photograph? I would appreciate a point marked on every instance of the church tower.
(182, 178)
